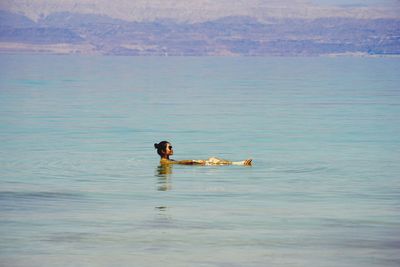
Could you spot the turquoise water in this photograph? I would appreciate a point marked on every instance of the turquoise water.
(81, 184)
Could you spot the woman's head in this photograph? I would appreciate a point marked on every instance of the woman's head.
(164, 149)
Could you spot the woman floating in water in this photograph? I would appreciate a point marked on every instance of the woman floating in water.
(164, 149)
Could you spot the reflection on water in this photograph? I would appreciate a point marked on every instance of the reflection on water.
(161, 208)
(164, 170)
(163, 173)
(163, 219)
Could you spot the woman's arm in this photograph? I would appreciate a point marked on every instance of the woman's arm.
(183, 162)
(190, 162)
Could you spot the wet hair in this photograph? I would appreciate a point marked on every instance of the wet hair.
(161, 147)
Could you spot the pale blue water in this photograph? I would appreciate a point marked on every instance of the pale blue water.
(81, 184)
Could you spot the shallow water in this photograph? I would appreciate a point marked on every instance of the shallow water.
(81, 184)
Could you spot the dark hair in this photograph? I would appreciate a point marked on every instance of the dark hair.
(161, 147)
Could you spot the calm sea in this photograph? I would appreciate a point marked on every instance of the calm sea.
(81, 185)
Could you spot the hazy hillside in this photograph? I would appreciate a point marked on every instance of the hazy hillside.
(234, 35)
(204, 10)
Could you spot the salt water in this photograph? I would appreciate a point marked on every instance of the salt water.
(81, 185)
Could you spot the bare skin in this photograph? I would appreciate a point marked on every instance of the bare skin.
(165, 159)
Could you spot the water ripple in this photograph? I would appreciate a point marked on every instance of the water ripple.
(10, 195)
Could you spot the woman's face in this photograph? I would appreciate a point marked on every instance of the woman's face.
(168, 150)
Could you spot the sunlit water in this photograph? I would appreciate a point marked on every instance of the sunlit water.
(81, 184)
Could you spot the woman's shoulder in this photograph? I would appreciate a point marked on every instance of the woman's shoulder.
(167, 161)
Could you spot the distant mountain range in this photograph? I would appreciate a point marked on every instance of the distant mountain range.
(69, 33)
(206, 10)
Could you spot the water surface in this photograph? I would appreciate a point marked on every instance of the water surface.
(80, 183)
